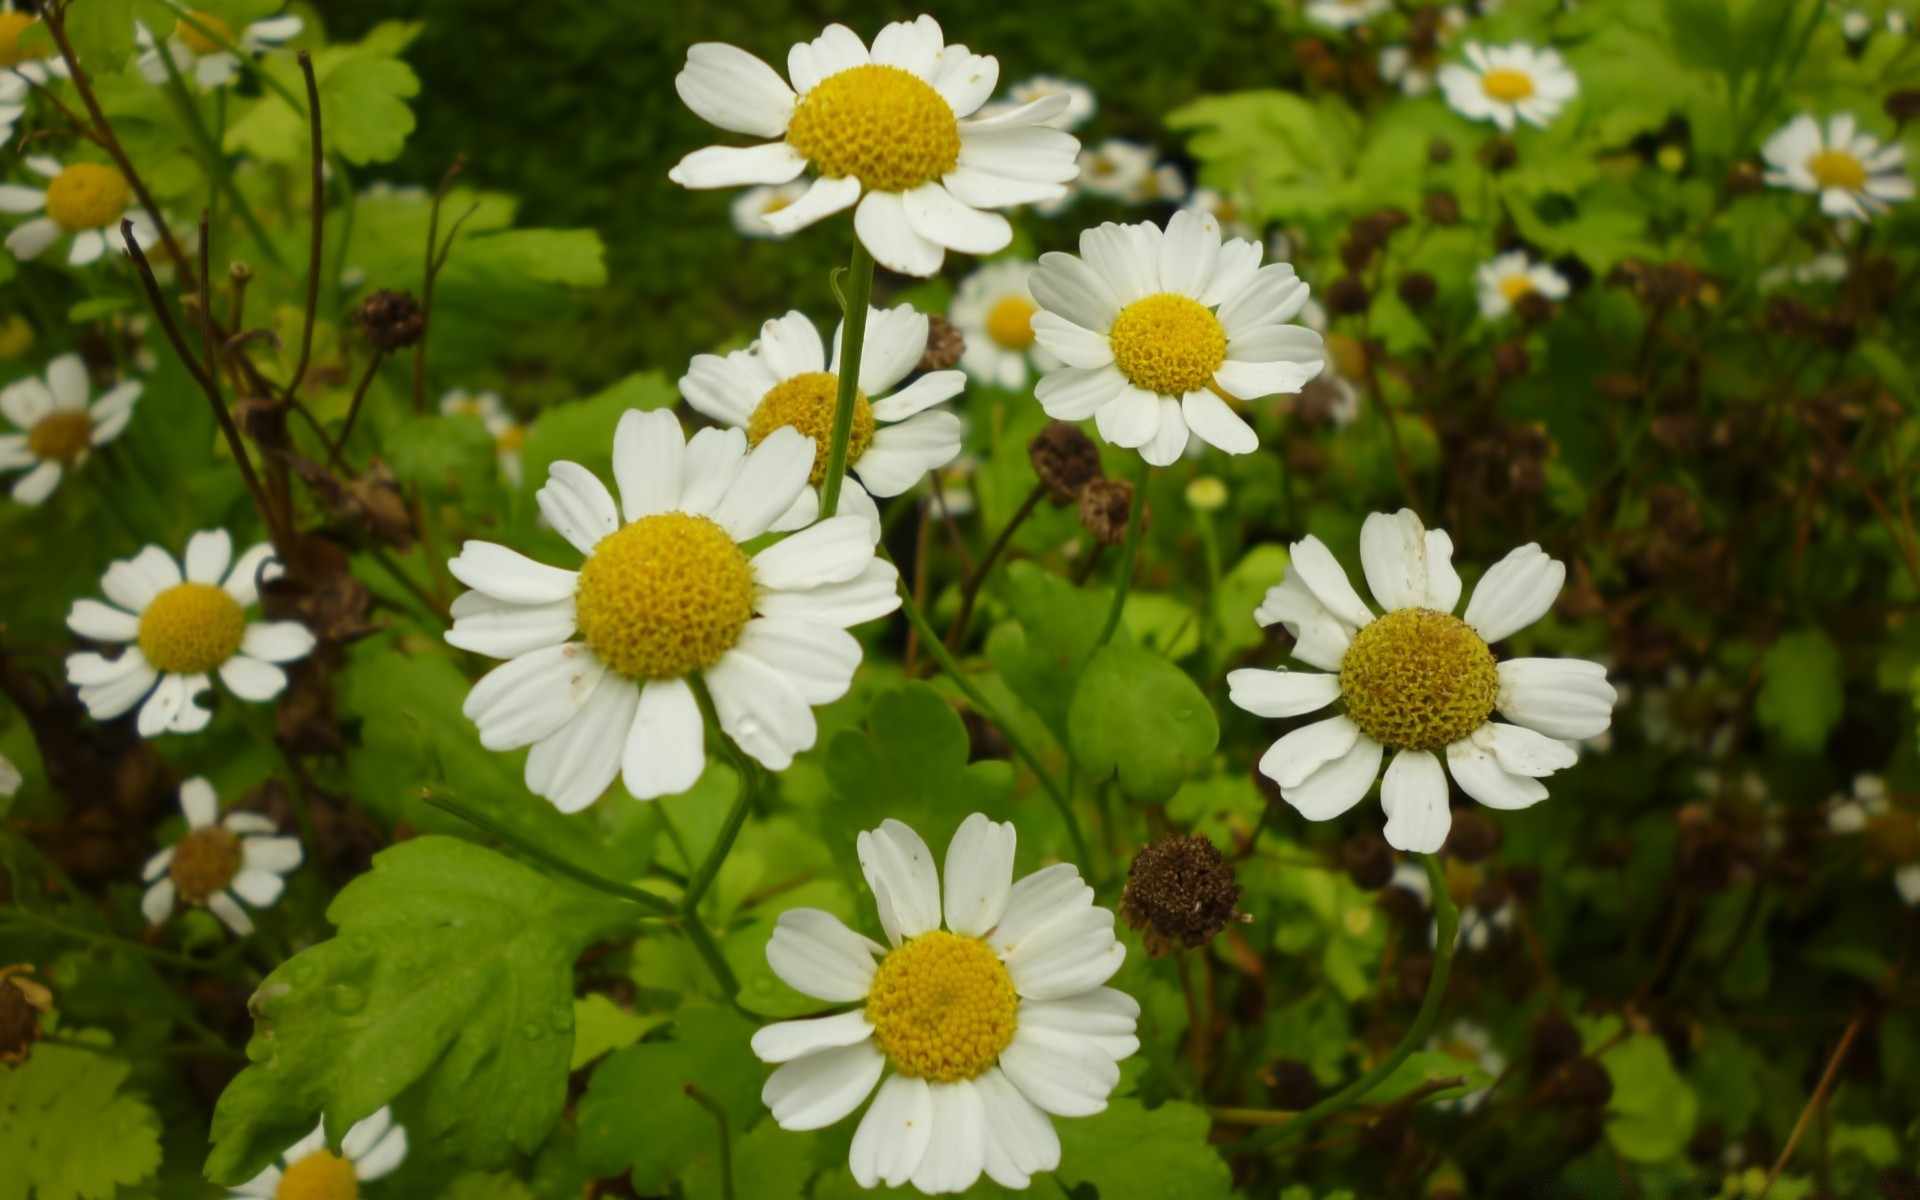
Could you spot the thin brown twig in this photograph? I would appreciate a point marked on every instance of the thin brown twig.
(318, 222)
(353, 410)
(1813, 1102)
(435, 259)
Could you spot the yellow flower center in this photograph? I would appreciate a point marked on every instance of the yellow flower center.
(321, 1175)
(806, 402)
(61, 437)
(204, 862)
(199, 42)
(1168, 345)
(87, 196)
(1514, 287)
(1010, 322)
(12, 25)
(942, 1007)
(1507, 85)
(16, 336)
(1417, 679)
(884, 126)
(191, 627)
(667, 595)
(1834, 168)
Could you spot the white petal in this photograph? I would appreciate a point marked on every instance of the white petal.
(957, 1150)
(199, 803)
(816, 955)
(16, 198)
(648, 455)
(365, 1134)
(31, 240)
(157, 865)
(923, 393)
(1068, 286)
(913, 46)
(666, 748)
(867, 596)
(1414, 795)
(817, 661)
(1020, 1138)
(881, 222)
(1517, 591)
(1126, 256)
(387, 1154)
(208, 554)
(1189, 251)
(36, 485)
(830, 551)
(224, 906)
(835, 50)
(713, 460)
(577, 505)
(1480, 775)
(1214, 422)
(815, 1091)
(102, 622)
(251, 679)
(255, 567)
(277, 641)
(725, 387)
(573, 766)
(1521, 751)
(901, 454)
(109, 689)
(1393, 554)
(67, 380)
(1291, 760)
(88, 246)
(979, 874)
(1170, 438)
(896, 340)
(762, 712)
(1274, 296)
(985, 189)
(1560, 697)
(157, 904)
(934, 214)
(730, 88)
(1062, 1075)
(1234, 269)
(499, 629)
(160, 709)
(530, 697)
(1105, 1016)
(1071, 394)
(133, 582)
(1327, 579)
(1443, 582)
(965, 80)
(1281, 693)
(733, 166)
(822, 199)
(906, 887)
(766, 484)
(279, 855)
(790, 345)
(1066, 956)
(1049, 894)
(1130, 419)
(893, 1136)
(1339, 785)
(1070, 343)
(509, 575)
(258, 888)
(785, 1041)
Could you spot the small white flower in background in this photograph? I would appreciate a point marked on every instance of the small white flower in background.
(751, 208)
(1851, 814)
(1155, 328)
(1512, 277)
(885, 129)
(206, 60)
(1856, 25)
(1826, 267)
(1853, 174)
(22, 67)
(1418, 680)
(992, 1025)
(509, 435)
(179, 627)
(1229, 211)
(58, 428)
(956, 486)
(783, 380)
(9, 778)
(1414, 66)
(308, 1170)
(1345, 14)
(1117, 167)
(1508, 83)
(86, 201)
(219, 862)
(1897, 23)
(1081, 104)
(1476, 929)
(665, 593)
(1470, 1042)
(993, 310)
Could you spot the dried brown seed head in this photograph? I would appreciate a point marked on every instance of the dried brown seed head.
(1180, 892)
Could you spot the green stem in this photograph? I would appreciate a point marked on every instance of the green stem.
(447, 802)
(1448, 917)
(1130, 555)
(944, 657)
(700, 1097)
(853, 344)
(216, 161)
(53, 925)
(703, 877)
(709, 951)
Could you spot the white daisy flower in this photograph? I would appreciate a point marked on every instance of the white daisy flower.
(219, 862)
(990, 1024)
(9, 777)
(1505, 83)
(1117, 167)
(993, 309)
(1345, 14)
(1854, 176)
(509, 435)
(1157, 328)
(665, 593)
(58, 428)
(1512, 277)
(784, 380)
(885, 129)
(1081, 104)
(177, 629)
(1417, 680)
(1414, 67)
(206, 60)
(87, 200)
(752, 207)
(22, 67)
(373, 1148)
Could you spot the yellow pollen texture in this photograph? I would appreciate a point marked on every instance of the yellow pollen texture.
(1837, 169)
(319, 1176)
(1168, 345)
(87, 196)
(12, 25)
(191, 627)
(1507, 84)
(1010, 322)
(1513, 287)
(806, 402)
(884, 126)
(942, 1007)
(1417, 679)
(199, 42)
(61, 436)
(204, 862)
(667, 595)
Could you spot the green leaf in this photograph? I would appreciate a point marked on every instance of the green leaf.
(1653, 1109)
(637, 1115)
(1800, 700)
(98, 307)
(68, 1130)
(1131, 1152)
(1137, 715)
(1241, 591)
(452, 975)
(572, 257)
(363, 103)
(102, 34)
(432, 450)
(600, 1026)
(1043, 655)
(911, 764)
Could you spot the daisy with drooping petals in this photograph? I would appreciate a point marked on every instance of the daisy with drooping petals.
(1157, 328)
(1081, 104)
(87, 200)
(59, 429)
(886, 129)
(1508, 83)
(1418, 680)
(783, 380)
(1854, 176)
(219, 862)
(206, 60)
(992, 1025)
(666, 593)
(177, 628)
(1345, 14)
(993, 309)
(1512, 277)
(752, 207)
(509, 435)
(373, 1148)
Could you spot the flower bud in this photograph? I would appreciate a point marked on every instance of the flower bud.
(945, 345)
(1105, 506)
(1180, 892)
